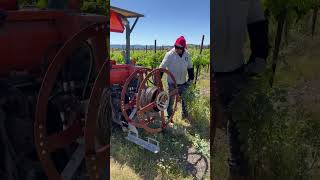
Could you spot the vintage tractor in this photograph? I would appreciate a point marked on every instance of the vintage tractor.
(139, 99)
(138, 94)
(53, 73)
(59, 94)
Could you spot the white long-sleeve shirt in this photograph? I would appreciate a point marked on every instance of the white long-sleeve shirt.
(177, 65)
(229, 21)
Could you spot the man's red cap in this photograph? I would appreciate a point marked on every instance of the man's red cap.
(181, 42)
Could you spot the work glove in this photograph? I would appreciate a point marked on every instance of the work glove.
(256, 67)
(259, 45)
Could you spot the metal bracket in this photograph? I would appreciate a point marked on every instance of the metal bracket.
(134, 24)
(134, 111)
(74, 162)
(151, 144)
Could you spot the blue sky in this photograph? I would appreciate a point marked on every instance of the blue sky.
(165, 21)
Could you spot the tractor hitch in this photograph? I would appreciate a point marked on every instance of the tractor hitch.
(151, 144)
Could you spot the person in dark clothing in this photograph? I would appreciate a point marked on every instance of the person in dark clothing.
(231, 21)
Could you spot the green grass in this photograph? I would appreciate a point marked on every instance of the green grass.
(299, 66)
(220, 156)
(122, 172)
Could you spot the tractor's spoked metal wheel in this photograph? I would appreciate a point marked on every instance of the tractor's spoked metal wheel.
(155, 99)
(47, 144)
(129, 94)
(99, 109)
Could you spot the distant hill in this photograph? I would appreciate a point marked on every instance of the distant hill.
(138, 46)
(120, 46)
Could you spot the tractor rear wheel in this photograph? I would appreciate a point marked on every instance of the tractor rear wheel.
(71, 138)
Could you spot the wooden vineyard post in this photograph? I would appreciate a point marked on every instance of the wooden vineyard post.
(127, 59)
(281, 21)
(314, 20)
(286, 31)
(198, 67)
(155, 46)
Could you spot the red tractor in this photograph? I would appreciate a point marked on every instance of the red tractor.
(138, 94)
(57, 97)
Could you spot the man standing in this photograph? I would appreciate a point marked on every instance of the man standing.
(231, 19)
(179, 63)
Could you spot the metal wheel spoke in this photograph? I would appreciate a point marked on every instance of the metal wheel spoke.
(134, 111)
(163, 119)
(158, 80)
(74, 163)
(174, 92)
(148, 107)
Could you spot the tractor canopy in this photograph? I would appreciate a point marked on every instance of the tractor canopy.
(119, 18)
(116, 24)
(119, 21)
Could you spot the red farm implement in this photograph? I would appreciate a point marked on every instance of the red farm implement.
(139, 97)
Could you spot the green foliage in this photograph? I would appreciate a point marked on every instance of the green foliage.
(280, 140)
(278, 143)
(198, 107)
(200, 60)
(96, 6)
(42, 4)
(278, 6)
(22, 3)
(88, 6)
(117, 56)
(201, 145)
(298, 7)
(153, 60)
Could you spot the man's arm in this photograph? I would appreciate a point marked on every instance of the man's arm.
(258, 34)
(164, 63)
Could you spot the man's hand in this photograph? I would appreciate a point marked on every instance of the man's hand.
(259, 45)
(256, 67)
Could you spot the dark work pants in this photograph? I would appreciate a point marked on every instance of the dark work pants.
(228, 87)
(182, 88)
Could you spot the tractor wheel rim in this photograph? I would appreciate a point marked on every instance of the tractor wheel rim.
(42, 140)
